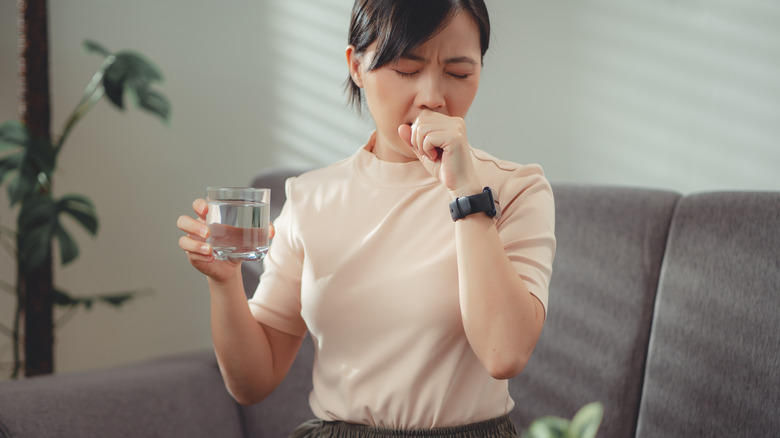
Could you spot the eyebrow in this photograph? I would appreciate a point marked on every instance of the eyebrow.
(453, 60)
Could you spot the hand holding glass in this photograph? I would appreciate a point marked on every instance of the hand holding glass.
(238, 221)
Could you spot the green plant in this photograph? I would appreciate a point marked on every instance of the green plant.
(28, 162)
(584, 424)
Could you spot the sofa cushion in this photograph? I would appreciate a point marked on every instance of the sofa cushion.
(610, 247)
(714, 359)
(172, 397)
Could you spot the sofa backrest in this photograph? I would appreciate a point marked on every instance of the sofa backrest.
(713, 366)
(714, 358)
(611, 243)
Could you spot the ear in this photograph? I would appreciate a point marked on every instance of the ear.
(355, 70)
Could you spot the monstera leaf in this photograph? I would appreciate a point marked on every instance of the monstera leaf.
(39, 225)
(114, 299)
(123, 73)
(129, 72)
(32, 161)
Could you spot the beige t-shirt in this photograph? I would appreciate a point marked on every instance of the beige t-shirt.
(364, 259)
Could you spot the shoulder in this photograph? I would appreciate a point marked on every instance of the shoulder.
(318, 182)
(509, 179)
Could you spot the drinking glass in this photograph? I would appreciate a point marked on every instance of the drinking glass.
(238, 221)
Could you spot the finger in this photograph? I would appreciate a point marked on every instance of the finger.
(271, 230)
(422, 129)
(193, 246)
(201, 207)
(405, 132)
(426, 122)
(432, 145)
(193, 227)
(196, 259)
(418, 134)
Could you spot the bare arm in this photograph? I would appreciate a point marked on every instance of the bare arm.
(253, 358)
(502, 319)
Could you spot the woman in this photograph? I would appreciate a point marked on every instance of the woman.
(419, 265)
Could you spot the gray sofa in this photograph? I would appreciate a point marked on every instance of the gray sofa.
(663, 307)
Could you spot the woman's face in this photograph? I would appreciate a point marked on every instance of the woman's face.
(441, 75)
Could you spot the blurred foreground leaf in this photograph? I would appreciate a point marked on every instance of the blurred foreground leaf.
(585, 424)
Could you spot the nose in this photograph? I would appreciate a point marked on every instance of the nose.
(430, 93)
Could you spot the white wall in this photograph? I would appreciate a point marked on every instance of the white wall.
(682, 95)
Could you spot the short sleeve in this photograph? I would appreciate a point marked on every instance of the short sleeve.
(277, 300)
(527, 228)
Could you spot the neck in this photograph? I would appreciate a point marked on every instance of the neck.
(387, 151)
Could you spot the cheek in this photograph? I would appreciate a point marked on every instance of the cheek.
(462, 98)
(386, 95)
(386, 87)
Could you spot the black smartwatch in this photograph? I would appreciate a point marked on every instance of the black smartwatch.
(466, 205)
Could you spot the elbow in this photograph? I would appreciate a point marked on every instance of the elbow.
(245, 401)
(505, 371)
(244, 397)
(506, 366)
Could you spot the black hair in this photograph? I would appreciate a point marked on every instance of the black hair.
(399, 26)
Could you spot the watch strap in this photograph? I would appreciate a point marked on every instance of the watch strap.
(467, 205)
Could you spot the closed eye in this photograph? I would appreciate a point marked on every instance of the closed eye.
(407, 74)
(455, 75)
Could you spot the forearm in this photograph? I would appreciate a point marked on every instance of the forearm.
(502, 319)
(242, 347)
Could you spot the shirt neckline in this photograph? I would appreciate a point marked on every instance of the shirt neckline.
(388, 174)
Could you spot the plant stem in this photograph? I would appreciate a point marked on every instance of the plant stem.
(7, 245)
(35, 287)
(7, 331)
(8, 235)
(8, 287)
(15, 338)
(69, 314)
(5, 229)
(92, 94)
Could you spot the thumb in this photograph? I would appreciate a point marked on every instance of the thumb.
(432, 166)
(405, 132)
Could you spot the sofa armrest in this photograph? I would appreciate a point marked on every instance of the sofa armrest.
(180, 396)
